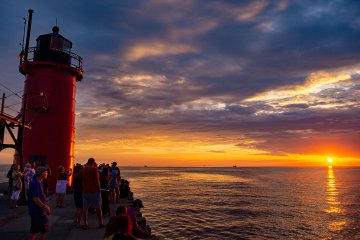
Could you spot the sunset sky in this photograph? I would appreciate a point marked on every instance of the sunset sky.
(204, 82)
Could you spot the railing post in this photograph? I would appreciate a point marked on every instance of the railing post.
(3, 103)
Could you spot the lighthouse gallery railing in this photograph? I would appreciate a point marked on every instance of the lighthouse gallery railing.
(75, 60)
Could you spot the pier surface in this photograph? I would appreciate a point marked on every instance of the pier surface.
(15, 223)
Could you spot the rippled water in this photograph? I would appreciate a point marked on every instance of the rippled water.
(4, 168)
(249, 203)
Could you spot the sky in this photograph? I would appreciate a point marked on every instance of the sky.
(204, 83)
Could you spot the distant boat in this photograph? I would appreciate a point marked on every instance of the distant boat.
(145, 166)
(234, 166)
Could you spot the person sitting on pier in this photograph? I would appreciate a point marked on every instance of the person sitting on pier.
(118, 227)
(137, 230)
(121, 210)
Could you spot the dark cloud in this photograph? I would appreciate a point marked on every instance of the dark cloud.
(192, 66)
(300, 105)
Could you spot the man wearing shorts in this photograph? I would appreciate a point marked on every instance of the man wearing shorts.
(91, 191)
(38, 209)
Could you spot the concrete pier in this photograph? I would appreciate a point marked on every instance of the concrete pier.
(15, 223)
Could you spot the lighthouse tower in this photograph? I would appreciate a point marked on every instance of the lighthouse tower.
(51, 71)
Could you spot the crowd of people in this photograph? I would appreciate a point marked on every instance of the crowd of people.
(94, 188)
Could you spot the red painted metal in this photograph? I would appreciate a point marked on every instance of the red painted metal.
(50, 99)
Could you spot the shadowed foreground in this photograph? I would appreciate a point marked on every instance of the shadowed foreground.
(15, 223)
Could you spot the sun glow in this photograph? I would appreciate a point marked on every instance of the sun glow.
(329, 159)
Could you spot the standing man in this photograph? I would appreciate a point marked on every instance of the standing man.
(91, 191)
(38, 209)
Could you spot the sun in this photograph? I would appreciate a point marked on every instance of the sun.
(329, 159)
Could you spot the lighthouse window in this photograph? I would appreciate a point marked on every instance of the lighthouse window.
(59, 43)
(42, 43)
(66, 45)
(56, 43)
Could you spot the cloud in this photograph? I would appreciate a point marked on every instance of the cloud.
(240, 12)
(154, 49)
(283, 4)
(316, 83)
(260, 77)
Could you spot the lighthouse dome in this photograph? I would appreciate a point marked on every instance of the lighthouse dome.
(53, 47)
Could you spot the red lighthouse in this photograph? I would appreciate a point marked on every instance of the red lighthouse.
(51, 71)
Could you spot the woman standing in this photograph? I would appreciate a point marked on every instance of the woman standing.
(113, 185)
(16, 186)
(61, 185)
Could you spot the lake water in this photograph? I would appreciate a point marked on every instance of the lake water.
(3, 171)
(249, 203)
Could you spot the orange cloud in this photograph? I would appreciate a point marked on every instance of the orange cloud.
(156, 48)
(315, 83)
(251, 11)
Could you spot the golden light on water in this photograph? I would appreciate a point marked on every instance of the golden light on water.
(337, 226)
(333, 202)
(332, 194)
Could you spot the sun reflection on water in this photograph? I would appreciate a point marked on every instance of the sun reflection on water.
(332, 194)
(337, 225)
(333, 202)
